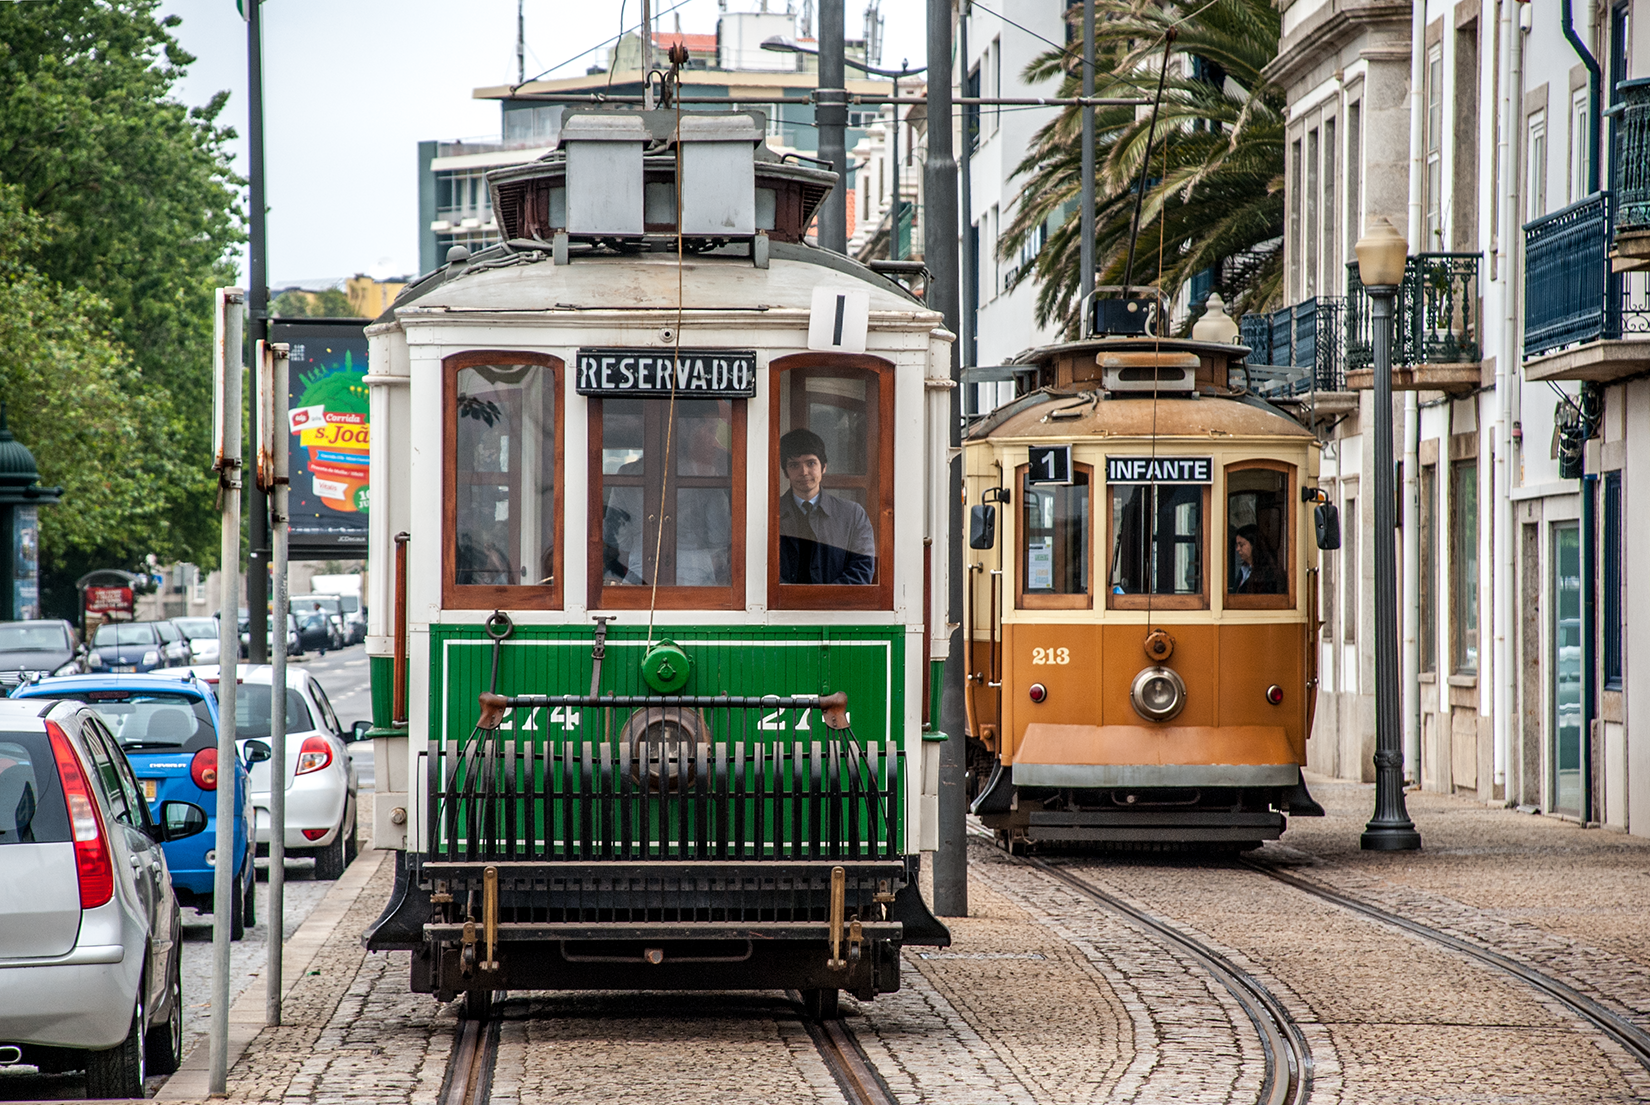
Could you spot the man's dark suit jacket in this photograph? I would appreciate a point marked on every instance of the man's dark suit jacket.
(835, 544)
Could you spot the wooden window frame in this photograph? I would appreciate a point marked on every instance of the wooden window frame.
(834, 596)
(673, 597)
(1198, 601)
(1265, 602)
(497, 596)
(1024, 601)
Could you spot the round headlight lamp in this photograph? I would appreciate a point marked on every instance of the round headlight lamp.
(1158, 693)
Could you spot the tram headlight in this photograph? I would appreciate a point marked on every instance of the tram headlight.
(1158, 693)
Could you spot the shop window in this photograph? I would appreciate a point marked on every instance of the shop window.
(667, 501)
(1157, 547)
(502, 503)
(1611, 598)
(1259, 519)
(1464, 567)
(1055, 524)
(832, 487)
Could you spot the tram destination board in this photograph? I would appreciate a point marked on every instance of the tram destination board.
(659, 373)
(1048, 465)
(1160, 470)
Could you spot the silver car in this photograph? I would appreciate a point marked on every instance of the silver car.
(90, 965)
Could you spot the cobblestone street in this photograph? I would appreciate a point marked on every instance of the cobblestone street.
(1046, 996)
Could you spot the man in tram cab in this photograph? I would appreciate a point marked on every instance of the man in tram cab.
(823, 538)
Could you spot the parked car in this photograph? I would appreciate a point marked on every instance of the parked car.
(294, 643)
(332, 607)
(47, 647)
(355, 619)
(321, 783)
(126, 647)
(315, 631)
(202, 634)
(89, 924)
(167, 726)
(175, 650)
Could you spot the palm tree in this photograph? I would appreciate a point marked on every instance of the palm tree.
(1214, 189)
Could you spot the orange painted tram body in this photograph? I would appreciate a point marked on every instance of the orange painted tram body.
(1139, 614)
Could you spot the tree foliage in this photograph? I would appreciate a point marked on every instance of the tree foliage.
(1214, 188)
(131, 210)
(299, 303)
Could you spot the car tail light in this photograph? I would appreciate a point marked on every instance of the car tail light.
(314, 755)
(315, 834)
(204, 769)
(91, 843)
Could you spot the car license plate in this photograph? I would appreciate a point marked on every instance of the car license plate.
(150, 788)
(124, 667)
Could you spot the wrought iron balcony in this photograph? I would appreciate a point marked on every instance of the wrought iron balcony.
(1573, 299)
(1297, 349)
(1437, 343)
(1631, 236)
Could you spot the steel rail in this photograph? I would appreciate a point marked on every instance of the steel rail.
(1633, 1039)
(839, 1048)
(1288, 1079)
(469, 1078)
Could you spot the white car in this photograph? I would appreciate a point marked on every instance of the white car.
(203, 638)
(321, 786)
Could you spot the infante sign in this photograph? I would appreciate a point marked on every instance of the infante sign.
(652, 373)
(1159, 470)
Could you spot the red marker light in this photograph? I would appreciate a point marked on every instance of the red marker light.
(1274, 695)
(1038, 692)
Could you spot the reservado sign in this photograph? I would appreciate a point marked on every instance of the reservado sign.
(658, 373)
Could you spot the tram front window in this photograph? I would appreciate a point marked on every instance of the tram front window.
(1257, 529)
(504, 472)
(666, 490)
(1157, 539)
(1056, 538)
(827, 513)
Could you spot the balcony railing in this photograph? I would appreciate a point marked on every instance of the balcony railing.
(1633, 158)
(1570, 295)
(1437, 313)
(1297, 349)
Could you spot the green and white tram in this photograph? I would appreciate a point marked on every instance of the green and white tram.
(656, 624)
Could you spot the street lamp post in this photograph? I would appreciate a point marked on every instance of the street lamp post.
(1381, 256)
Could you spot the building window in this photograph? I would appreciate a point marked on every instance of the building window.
(1054, 545)
(663, 500)
(1259, 516)
(1296, 245)
(1328, 588)
(1578, 145)
(1610, 569)
(1354, 177)
(1535, 161)
(1311, 244)
(1428, 581)
(1329, 178)
(1565, 668)
(1349, 566)
(1157, 547)
(502, 501)
(971, 112)
(1463, 566)
(1435, 147)
(832, 484)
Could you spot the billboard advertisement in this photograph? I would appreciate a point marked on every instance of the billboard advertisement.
(328, 432)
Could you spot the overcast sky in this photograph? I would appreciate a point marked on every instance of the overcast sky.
(352, 86)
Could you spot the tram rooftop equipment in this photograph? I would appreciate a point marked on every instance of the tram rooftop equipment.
(727, 779)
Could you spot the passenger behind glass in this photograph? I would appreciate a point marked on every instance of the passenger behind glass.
(822, 538)
(1254, 568)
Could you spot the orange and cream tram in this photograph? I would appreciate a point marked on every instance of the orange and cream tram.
(1141, 578)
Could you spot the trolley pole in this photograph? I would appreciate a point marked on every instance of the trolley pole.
(940, 228)
(257, 557)
(273, 378)
(228, 433)
(1085, 250)
(831, 116)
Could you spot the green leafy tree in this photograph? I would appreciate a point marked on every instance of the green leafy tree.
(139, 210)
(1214, 188)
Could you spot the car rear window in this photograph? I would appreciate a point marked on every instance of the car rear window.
(107, 635)
(146, 721)
(33, 638)
(195, 628)
(252, 711)
(31, 797)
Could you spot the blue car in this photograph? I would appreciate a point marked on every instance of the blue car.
(167, 726)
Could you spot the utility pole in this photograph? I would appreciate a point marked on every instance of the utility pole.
(1086, 227)
(273, 389)
(257, 504)
(940, 255)
(521, 42)
(831, 117)
(966, 354)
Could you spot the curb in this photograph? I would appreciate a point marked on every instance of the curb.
(246, 1016)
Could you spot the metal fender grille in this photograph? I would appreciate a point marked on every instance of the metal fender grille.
(576, 779)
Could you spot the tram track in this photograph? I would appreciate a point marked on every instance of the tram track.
(1630, 1037)
(470, 1070)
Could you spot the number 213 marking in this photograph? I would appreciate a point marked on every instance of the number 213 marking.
(1051, 656)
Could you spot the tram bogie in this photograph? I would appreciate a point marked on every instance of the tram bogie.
(661, 693)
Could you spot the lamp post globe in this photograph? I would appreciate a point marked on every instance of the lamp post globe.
(1381, 259)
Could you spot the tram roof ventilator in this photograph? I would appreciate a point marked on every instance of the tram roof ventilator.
(610, 186)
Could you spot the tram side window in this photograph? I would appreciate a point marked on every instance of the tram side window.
(504, 469)
(1055, 543)
(1257, 531)
(1157, 540)
(666, 491)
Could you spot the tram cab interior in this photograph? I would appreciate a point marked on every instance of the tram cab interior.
(1140, 584)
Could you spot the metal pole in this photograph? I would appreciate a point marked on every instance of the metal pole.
(521, 57)
(1390, 830)
(967, 355)
(257, 505)
(229, 644)
(831, 117)
(940, 254)
(1086, 227)
(277, 680)
(894, 252)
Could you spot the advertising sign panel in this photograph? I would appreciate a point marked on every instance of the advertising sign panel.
(108, 600)
(25, 568)
(328, 432)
